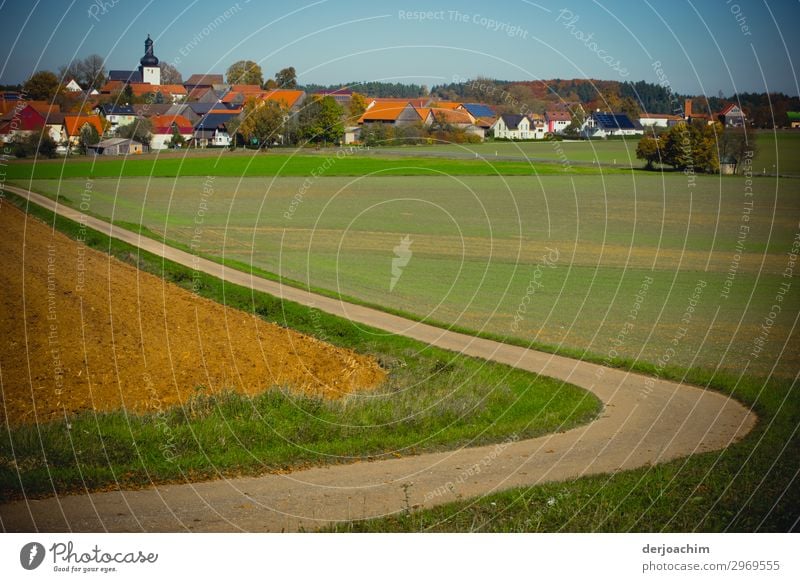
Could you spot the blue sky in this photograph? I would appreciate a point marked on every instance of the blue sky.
(703, 46)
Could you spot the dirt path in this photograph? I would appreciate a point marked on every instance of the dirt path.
(645, 421)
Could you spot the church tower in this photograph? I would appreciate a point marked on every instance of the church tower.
(148, 64)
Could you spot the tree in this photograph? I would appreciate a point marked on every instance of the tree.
(245, 73)
(177, 140)
(68, 72)
(735, 145)
(286, 78)
(141, 130)
(170, 75)
(261, 121)
(358, 105)
(270, 85)
(689, 146)
(127, 94)
(42, 86)
(649, 150)
(87, 136)
(321, 121)
(575, 126)
(92, 72)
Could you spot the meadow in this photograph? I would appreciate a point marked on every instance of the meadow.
(555, 261)
(431, 400)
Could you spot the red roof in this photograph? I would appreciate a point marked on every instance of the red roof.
(385, 110)
(23, 119)
(162, 124)
(558, 116)
(145, 88)
(727, 109)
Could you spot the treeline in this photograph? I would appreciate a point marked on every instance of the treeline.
(374, 89)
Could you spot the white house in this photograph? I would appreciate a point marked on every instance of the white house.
(116, 115)
(658, 119)
(600, 125)
(557, 121)
(511, 126)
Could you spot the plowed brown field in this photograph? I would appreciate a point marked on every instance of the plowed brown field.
(84, 331)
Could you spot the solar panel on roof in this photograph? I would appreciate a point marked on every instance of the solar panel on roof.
(613, 121)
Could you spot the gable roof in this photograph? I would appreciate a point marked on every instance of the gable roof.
(22, 119)
(388, 110)
(213, 120)
(557, 116)
(452, 116)
(162, 124)
(613, 121)
(479, 109)
(207, 80)
(445, 105)
(728, 108)
(151, 109)
(125, 76)
(74, 123)
(114, 109)
(512, 120)
(145, 88)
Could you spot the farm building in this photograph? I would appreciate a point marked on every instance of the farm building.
(116, 146)
(212, 130)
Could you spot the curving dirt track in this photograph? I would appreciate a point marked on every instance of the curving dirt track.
(645, 421)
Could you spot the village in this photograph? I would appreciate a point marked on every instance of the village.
(134, 112)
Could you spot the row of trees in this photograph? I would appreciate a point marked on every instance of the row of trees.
(696, 146)
(250, 73)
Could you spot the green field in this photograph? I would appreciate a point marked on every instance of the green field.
(553, 260)
(431, 400)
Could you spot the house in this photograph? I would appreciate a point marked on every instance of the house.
(202, 82)
(148, 110)
(21, 121)
(116, 146)
(164, 127)
(732, 116)
(658, 119)
(73, 86)
(212, 130)
(122, 78)
(512, 126)
(602, 125)
(203, 94)
(287, 98)
(71, 129)
(116, 115)
(794, 119)
(391, 112)
(556, 121)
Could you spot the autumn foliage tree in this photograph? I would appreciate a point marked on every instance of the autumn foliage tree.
(261, 122)
(245, 73)
(42, 86)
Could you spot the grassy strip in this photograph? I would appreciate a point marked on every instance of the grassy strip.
(748, 487)
(432, 400)
(280, 164)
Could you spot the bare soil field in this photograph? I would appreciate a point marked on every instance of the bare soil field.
(84, 331)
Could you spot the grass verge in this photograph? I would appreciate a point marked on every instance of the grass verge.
(751, 486)
(432, 400)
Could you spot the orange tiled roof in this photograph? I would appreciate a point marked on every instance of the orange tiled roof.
(145, 88)
(74, 123)
(163, 123)
(452, 116)
(445, 105)
(385, 110)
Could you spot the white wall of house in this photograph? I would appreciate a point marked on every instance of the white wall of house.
(653, 121)
(160, 141)
(523, 130)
